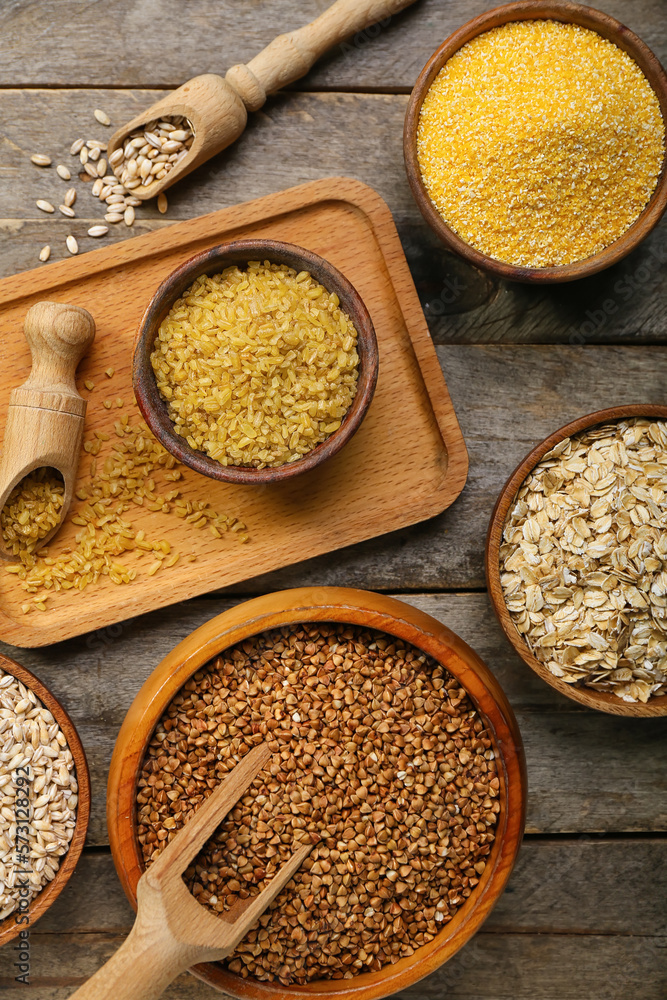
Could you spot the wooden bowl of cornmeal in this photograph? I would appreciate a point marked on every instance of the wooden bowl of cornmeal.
(535, 141)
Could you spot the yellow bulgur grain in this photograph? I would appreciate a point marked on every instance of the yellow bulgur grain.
(540, 142)
(257, 366)
(110, 372)
(124, 476)
(32, 510)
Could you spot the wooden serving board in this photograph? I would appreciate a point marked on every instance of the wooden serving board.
(406, 463)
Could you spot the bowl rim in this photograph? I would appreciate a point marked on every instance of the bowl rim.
(602, 701)
(45, 898)
(328, 604)
(560, 10)
(211, 261)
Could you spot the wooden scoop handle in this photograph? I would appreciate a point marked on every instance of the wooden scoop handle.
(58, 336)
(290, 56)
(173, 931)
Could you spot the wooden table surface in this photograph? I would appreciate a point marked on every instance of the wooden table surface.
(584, 915)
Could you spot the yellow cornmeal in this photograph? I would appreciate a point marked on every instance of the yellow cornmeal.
(540, 142)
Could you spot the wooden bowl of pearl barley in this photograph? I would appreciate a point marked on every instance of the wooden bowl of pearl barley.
(568, 573)
(507, 141)
(36, 889)
(395, 751)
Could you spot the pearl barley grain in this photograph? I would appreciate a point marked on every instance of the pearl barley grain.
(72, 245)
(29, 734)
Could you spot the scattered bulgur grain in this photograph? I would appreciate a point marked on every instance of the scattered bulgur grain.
(540, 142)
(110, 372)
(123, 475)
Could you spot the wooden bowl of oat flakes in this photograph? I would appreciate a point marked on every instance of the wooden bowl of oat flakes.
(255, 361)
(52, 789)
(576, 560)
(394, 747)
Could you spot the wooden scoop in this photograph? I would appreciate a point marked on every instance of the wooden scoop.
(217, 109)
(45, 415)
(173, 931)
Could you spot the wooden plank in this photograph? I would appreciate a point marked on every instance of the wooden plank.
(557, 887)
(500, 426)
(568, 748)
(313, 136)
(498, 966)
(155, 43)
(507, 400)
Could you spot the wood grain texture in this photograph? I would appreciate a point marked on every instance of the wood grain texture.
(524, 966)
(45, 415)
(409, 446)
(300, 137)
(214, 34)
(565, 933)
(98, 676)
(507, 400)
(587, 886)
(217, 108)
(500, 427)
(580, 887)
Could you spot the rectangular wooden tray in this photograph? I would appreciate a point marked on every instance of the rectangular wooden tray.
(407, 462)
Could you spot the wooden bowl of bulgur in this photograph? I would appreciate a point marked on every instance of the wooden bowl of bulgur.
(377, 711)
(534, 141)
(576, 572)
(255, 362)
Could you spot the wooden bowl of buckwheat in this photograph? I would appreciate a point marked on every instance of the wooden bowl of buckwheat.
(395, 752)
(45, 778)
(576, 560)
